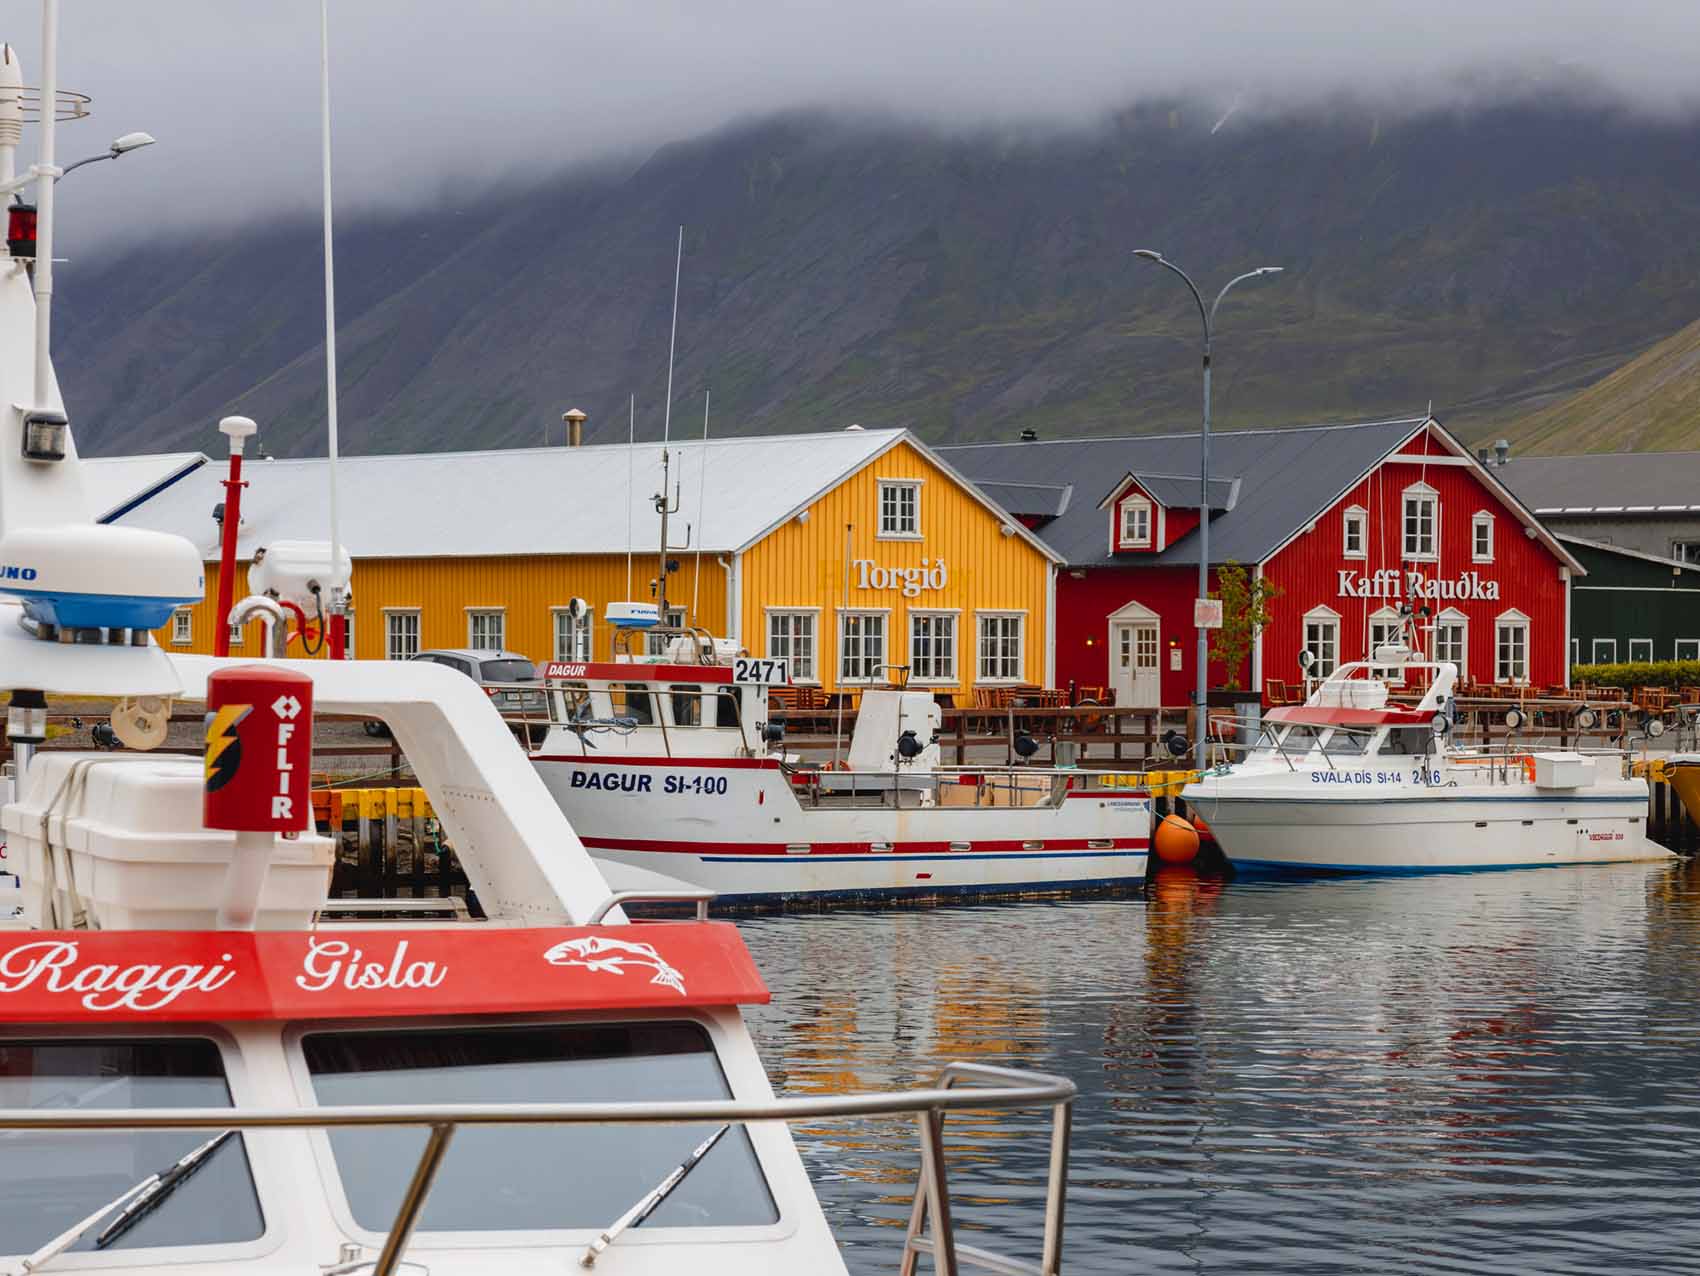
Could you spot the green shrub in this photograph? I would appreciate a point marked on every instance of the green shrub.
(1658, 673)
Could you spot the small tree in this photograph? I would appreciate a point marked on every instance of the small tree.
(1246, 602)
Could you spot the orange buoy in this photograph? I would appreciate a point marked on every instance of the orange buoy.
(1176, 841)
(1204, 833)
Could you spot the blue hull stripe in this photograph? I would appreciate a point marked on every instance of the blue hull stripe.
(1435, 795)
(1273, 867)
(928, 890)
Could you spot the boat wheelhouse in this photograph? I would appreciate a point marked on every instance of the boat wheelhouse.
(681, 764)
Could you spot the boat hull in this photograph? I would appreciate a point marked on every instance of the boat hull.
(1272, 832)
(736, 827)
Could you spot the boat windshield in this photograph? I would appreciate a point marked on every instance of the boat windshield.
(49, 1180)
(528, 1178)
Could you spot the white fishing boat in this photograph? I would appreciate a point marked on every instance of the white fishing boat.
(1352, 781)
(679, 763)
(201, 1071)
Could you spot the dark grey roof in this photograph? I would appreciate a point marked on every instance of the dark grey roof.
(1633, 484)
(1287, 477)
(1179, 491)
(1039, 500)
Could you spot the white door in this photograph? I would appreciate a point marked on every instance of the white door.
(1133, 658)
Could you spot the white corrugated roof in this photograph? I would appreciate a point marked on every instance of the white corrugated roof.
(556, 500)
(112, 482)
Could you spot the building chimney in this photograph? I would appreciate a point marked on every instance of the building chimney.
(575, 427)
(1484, 456)
(1029, 436)
(1501, 451)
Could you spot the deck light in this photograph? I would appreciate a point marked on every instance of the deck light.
(20, 231)
(1513, 719)
(1586, 718)
(45, 434)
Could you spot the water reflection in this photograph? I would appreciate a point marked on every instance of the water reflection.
(1491, 1073)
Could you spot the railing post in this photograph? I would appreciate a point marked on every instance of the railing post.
(1062, 1121)
(931, 1123)
(413, 1200)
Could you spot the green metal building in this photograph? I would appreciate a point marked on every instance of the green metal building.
(1632, 606)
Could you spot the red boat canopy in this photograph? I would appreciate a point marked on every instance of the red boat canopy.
(164, 976)
(1330, 716)
(590, 671)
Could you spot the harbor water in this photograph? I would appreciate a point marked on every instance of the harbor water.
(1483, 1073)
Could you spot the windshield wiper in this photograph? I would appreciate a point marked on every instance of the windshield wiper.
(134, 1202)
(651, 1201)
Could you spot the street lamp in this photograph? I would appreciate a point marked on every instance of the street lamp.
(120, 146)
(1209, 319)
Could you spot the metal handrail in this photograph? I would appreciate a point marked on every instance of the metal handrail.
(696, 895)
(993, 1087)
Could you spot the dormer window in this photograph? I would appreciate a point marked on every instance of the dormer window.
(1136, 523)
(1356, 534)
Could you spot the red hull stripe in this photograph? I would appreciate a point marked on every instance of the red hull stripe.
(727, 764)
(164, 976)
(569, 671)
(1000, 847)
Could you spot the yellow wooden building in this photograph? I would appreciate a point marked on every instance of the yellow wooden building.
(859, 555)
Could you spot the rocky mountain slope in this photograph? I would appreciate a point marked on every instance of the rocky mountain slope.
(840, 272)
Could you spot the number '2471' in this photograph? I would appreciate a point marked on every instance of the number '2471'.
(757, 672)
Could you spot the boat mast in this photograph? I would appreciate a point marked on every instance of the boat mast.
(338, 621)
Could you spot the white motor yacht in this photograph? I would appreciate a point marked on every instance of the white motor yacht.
(1351, 781)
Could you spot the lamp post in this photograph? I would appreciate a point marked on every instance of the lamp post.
(1208, 316)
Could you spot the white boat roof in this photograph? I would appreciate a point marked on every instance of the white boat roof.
(117, 483)
(555, 500)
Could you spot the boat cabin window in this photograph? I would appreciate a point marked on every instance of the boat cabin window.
(726, 707)
(633, 700)
(50, 1180)
(687, 704)
(501, 1178)
(1409, 741)
(574, 703)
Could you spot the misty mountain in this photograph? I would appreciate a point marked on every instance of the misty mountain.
(838, 272)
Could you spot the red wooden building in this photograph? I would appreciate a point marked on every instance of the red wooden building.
(1348, 521)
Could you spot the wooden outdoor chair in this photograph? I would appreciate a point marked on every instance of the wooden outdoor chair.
(1275, 692)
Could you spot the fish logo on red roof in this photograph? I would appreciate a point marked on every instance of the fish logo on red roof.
(608, 956)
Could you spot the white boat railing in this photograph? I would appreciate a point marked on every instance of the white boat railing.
(959, 1086)
(996, 787)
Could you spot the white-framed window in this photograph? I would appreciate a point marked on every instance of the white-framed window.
(1421, 523)
(1136, 523)
(1603, 651)
(1511, 647)
(1385, 626)
(1000, 655)
(1687, 551)
(900, 509)
(861, 646)
(236, 632)
(1322, 640)
(401, 635)
(1688, 648)
(486, 628)
(1641, 651)
(1354, 542)
(574, 639)
(348, 632)
(932, 646)
(1481, 537)
(791, 636)
(1452, 641)
(656, 644)
(182, 627)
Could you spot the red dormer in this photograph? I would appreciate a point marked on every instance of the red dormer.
(1150, 512)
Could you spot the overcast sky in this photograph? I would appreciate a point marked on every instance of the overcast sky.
(427, 91)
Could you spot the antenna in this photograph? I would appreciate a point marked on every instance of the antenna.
(337, 621)
(44, 201)
(702, 498)
(631, 485)
(672, 342)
